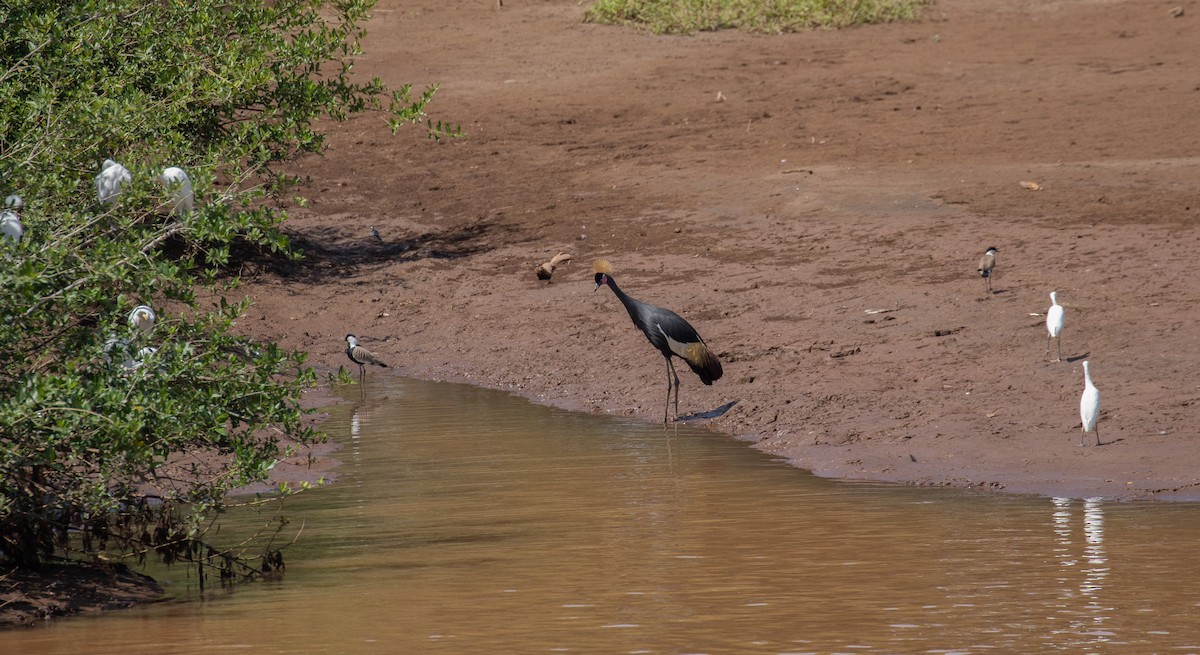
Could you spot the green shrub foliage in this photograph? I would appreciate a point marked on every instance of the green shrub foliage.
(109, 433)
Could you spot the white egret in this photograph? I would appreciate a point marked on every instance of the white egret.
(1054, 325)
(987, 264)
(11, 229)
(1089, 407)
(180, 186)
(143, 318)
(108, 182)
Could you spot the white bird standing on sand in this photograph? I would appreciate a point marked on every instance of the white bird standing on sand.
(361, 356)
(108, 182)
(11, 229)
(1089, 407)
(1054, 325)
(987, 264)
(143, 318)
(180, 186)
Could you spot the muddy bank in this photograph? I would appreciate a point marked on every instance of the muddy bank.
(815, 204)
(55, 590)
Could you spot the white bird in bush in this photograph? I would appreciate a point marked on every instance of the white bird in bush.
(1089, 407)
(108, 182)
(1054, 325)
(143, 318)
(11, 229)
(180, 186)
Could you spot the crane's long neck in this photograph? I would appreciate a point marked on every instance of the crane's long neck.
(1087, 376)
(631, 304)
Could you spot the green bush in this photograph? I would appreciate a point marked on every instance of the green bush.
(775, 16)
(107, 431)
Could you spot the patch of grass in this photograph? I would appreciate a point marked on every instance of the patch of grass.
(770, 16)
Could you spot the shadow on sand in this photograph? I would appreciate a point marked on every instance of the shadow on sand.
(712, 413)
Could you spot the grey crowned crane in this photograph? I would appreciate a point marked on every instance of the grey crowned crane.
(987, 264)
(361, 356)
(667, 331)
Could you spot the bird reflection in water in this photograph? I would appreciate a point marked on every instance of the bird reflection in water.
(1090, 617)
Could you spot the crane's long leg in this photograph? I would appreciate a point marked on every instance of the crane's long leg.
(1082, 434)
(1058, 344)
(667, 404)
(671, 365)
(1098, 434)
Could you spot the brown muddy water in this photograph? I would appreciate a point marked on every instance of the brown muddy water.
(470, 521)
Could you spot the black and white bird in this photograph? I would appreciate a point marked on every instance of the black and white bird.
(376, 235)
(667, 331)
(108, 183)
(987, 264)
(1054, 325)
(1089, 407)
(361, 356)
(179, 185)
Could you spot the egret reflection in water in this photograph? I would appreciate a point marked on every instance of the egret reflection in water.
(1083, 567)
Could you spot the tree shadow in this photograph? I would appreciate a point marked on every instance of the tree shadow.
(325, 252)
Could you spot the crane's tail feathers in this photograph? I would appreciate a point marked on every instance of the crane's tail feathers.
(703, 362)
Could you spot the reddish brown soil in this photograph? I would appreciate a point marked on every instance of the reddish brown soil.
(776, 191)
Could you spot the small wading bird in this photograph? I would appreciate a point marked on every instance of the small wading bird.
(376, 235)
(143, 318)
(546, 269)
(180, 186)
(360, 356)
(108, 182)
(1054, 325)
(1089, 407)
(668, 332)
(987, 264)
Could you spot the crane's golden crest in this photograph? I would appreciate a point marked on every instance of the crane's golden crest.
(602, 266)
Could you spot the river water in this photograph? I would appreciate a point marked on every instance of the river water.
(471, 521)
